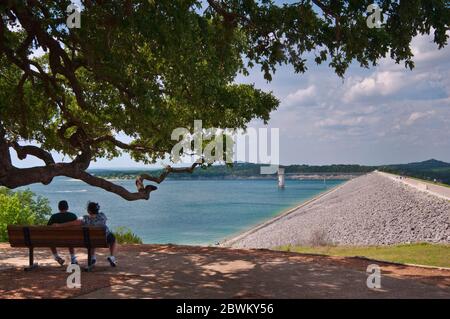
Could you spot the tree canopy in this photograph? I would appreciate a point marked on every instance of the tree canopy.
(143, 68)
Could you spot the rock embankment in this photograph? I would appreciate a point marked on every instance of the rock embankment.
(369, 210)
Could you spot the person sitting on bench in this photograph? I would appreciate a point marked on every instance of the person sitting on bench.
(97, 218)
(63, 217)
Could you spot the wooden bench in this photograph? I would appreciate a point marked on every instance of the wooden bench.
(58, 237)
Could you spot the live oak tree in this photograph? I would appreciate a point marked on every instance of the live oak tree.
(143, 68)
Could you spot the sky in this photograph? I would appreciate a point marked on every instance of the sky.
(383, 115)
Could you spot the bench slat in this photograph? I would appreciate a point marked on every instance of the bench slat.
(47, 236)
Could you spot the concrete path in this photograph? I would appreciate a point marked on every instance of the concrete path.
(428, 187)
(165, 271)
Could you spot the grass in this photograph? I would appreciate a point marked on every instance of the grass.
(421, 253)
(126, 236)
(429, 181)
(421, 179)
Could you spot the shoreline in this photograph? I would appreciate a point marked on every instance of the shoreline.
(282, 212)
(230, 240)
(247, 178)
(370, 210)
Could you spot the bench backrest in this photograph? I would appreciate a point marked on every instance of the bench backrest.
(47, 236)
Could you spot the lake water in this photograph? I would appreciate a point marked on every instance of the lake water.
(200, 212)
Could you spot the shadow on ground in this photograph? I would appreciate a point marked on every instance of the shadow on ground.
(166, 271)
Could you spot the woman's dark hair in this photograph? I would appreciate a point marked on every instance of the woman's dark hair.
(93, 208)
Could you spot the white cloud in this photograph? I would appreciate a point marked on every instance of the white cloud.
(301, 96)
(425, 50)
(385, 114)
(415, 116)
(346, 122)
(379, 83)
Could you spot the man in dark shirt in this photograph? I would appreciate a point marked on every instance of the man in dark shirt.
(62, 217)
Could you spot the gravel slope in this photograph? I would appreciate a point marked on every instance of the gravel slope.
(369, 210)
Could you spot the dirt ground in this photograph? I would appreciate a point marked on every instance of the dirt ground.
(167, 271)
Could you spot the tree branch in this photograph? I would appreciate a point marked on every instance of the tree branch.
(56, 53)
(167, 170)
(324, 8)
(14, 177)
(119, 144)
(143, 193)
(327, 11)
(24, 151)
(5, 156)
(228, 16)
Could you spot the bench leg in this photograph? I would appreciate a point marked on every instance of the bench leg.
(31, 260)
(89, 267)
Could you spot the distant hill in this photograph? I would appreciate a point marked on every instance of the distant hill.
(429, 170)
(238, 170)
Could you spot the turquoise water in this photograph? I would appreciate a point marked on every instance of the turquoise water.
(198, 212)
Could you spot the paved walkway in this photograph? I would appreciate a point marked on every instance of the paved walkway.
(429, 187)
(161, 271)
